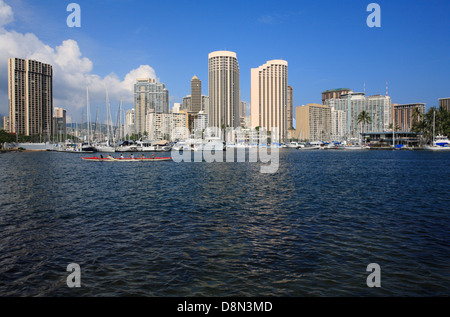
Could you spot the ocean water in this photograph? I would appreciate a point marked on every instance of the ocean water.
(168, 229)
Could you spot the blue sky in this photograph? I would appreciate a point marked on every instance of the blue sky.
(326, 43)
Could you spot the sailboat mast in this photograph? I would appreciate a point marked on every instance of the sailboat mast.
(434, 125)
(107, 117)
(88, 115)
(120, 119)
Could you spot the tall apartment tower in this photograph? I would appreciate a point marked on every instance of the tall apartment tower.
(269, 97)
(404, 115)
(444, 104)
(313, 122)
(334, 94)
(30, 93)
(149, 95)
(224, 91)
(196, 95)
(290, 108)
(59, 121)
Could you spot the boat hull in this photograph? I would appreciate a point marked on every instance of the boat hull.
(436, 148)
(146, 159)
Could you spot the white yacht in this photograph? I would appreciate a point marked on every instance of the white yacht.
(161, 146)
(293, 145)
(105, 148)
(316, 145)
(144, 146)
(127, 146)
(441, 140)
(182, 146)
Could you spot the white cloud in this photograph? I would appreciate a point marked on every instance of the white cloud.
(6, 14)
(71, 70)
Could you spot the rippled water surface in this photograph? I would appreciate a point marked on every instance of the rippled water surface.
(225, 229)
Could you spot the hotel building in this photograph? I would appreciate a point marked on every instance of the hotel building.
(163, 126)
(30, 93)
(60, 121)
(313, 122)
(378, 107)
(5, 122)
(129, 122)
(290, 108)
(444, 103)
(224, 91)
(196, 95)
(334, 94)
(269, 97)
(338, 125)
(149, 95)
(404, 115)
(187, 101)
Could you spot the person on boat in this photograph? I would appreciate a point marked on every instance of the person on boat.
(110, 157)
(121, 156)
(142, 156)
(153, 156)
(101, 156)
(132, 156)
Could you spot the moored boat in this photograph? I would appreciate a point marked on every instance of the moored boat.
(125, 159)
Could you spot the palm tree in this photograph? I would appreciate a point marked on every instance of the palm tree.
(416, 115)
(363, 119)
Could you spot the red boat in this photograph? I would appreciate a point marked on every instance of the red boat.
(126, 159)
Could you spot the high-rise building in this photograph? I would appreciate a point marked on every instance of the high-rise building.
(444, 103)
(224, 91)
(59, 121)
(205, 104)
(201, 121)
(187, 102)
(269, 97)
(149, 95)
(163, 126)
(378, 108)
(338, 125)
(130, 122)
(290, 107)
(30, 92)
(196, 95)
(334, 94)
(404, 115)
(313, 122)
(243, 109)
(5, 122)
(176, 107)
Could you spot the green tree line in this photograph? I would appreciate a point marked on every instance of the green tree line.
(424, 123)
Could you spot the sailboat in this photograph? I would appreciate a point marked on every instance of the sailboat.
(87, 147)
(106, 147)
(440, 143)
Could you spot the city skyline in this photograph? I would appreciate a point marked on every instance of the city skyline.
(327, 45)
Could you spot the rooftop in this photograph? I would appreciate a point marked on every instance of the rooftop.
(337, 89)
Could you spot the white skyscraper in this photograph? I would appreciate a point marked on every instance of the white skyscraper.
(269, 97)
(224, 91)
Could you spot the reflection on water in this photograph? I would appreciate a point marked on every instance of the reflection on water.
(225, 229)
